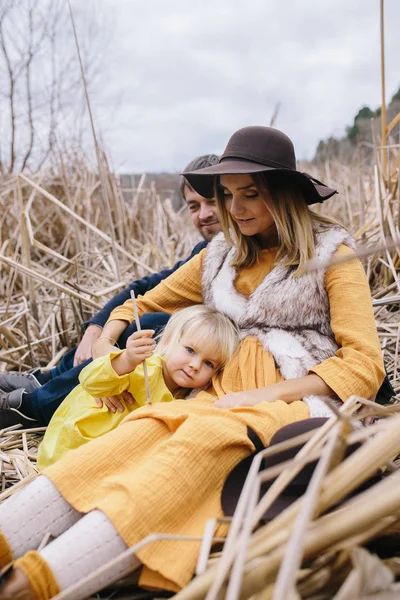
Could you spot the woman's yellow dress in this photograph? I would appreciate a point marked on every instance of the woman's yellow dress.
(163, 468)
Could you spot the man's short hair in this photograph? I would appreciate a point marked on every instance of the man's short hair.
(200, 162)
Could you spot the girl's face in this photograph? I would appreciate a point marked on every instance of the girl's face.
(248, 206)
(189, 365)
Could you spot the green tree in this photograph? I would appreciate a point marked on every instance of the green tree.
(352, 132)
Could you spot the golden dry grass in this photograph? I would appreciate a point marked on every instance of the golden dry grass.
(55, 227)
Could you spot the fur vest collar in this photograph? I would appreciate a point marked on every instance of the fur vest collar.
(290, 315)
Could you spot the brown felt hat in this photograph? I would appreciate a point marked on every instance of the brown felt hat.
(258, 149)
(298, 486)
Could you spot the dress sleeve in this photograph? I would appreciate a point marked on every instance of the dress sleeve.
(357, 367)
(99, 379)
(140, 287)
(181, 289)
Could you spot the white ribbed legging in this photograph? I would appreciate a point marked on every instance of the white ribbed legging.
(83, 542)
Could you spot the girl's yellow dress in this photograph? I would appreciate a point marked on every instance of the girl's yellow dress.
(79, 420)
(163, 468)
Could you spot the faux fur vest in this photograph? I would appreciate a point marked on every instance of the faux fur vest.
(289, 315)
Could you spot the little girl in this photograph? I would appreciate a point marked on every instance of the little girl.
(195, 345)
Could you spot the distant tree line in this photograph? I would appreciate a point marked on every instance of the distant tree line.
(360, 132)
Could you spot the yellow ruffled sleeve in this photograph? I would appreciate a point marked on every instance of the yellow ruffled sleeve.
(357, 367)
(99, 379)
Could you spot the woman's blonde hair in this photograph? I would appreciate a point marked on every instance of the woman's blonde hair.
(294, 220)
(207, 327)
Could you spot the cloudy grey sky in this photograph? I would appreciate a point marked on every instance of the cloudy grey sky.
(185, 74)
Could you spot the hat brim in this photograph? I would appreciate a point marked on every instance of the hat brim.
(298, 486)
(203, 180)
(234, 484)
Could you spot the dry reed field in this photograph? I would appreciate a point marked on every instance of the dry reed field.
(64, 251)
(62, 255)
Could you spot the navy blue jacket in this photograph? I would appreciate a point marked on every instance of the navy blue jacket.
(140, 286)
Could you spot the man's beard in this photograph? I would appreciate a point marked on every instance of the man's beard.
(207, 234)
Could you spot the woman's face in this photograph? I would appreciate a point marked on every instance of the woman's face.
(248, 206)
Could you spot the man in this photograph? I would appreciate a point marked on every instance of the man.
(33, 397)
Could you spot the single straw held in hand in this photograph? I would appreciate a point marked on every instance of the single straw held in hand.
(146, 377)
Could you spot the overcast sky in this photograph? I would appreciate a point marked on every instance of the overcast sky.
(183, 75)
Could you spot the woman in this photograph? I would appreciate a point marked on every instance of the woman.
(305, 336)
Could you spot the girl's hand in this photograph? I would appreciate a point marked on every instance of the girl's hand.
(114, 403)
(139, 346)
(248, 398)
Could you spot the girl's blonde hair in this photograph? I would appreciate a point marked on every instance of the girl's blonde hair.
(295, 222)
(207, 327)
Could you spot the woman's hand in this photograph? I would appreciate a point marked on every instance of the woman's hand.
(248, 398)
(288, 391)
(84, 349)
(111, 333)
(102, 347)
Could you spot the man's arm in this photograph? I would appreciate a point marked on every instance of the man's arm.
(140, 287)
